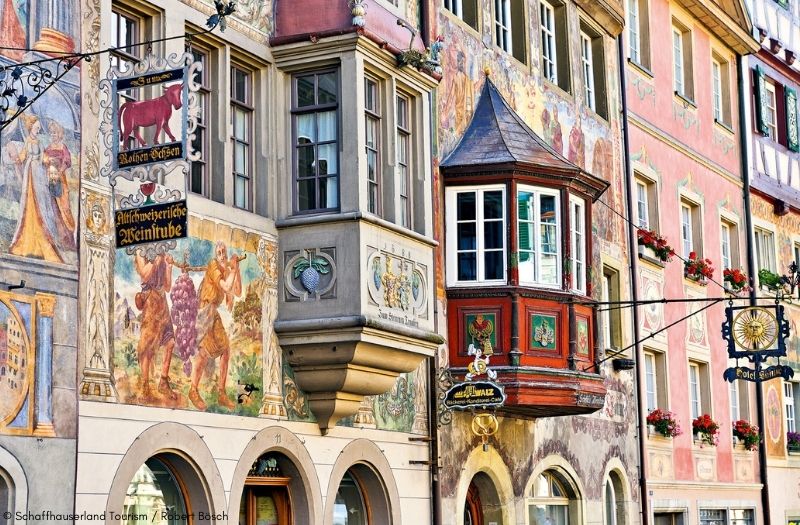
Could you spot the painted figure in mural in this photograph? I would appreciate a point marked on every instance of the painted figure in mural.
(12, 34)
(577, 153)
(58, 160)
(41, 231)
(551, 128)
(156, 325)
(222, 282)
(462, 93)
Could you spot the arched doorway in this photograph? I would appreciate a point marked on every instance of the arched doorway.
(266, 498)
(482, 505)
(361, 498)
(614, 500)
(166, 490)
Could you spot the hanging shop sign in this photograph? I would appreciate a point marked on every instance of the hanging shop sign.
(765, 374)
(149, 117)
(474, 394)
(756, 333)
(154, 223)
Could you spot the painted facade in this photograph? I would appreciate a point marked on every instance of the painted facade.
(773, 163)
(501, 482)
(687, 185)
(215, 357)
(39, 187)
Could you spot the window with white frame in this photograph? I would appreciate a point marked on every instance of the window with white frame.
(769, 107)
(554, 52)
(578, 243)
(551, 500)
(476, 234)
(199, 171)
(588, 71)
(242, 137)
(733, 391)
(651, 385)
(682, 60)
(687, 230)
(725, 240)
(466, 10)
(509, 27)
(538, 234)
(646, 203)
(720, 90)
(638, 32)
(502, 25)
(403, 160)
(796, 253)
(610, 317)
(788, 404)
(765, 250)
(316, 137)
(547, 20)
(695, 395)
(713, 517)
(742, 517)
(127, 30)
(372, 120)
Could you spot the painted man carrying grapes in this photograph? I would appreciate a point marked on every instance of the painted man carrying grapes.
(222, 282)
(156, 327)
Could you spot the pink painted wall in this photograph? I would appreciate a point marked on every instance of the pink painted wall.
(688, 152)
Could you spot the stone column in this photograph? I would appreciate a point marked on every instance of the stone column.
(272, 402)
(44, 366)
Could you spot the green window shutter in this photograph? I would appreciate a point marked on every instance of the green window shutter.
(791, 119)
(783, 3)
(760, 94)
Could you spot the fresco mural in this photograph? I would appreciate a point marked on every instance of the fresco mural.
(38, 161)
(187, 328)
(26, 364)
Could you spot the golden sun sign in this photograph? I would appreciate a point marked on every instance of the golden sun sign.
(755, 328)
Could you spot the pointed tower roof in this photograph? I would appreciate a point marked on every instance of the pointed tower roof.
(497, 139)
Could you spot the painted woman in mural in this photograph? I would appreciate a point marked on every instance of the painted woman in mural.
(577, 153)
(41, 231)
(221, 282)
(156, 324)
(58, 161)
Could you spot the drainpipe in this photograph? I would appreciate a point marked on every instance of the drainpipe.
(634, 269)
(433, 373)
(751, 267)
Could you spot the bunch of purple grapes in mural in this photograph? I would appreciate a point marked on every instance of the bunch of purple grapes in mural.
(184, 315)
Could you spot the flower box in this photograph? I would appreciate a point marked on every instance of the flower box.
(663, 423)
(705, 430)
(747, 434)
(697, 269)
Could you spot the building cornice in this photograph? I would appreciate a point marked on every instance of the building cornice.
(674, 143)
(736, 33)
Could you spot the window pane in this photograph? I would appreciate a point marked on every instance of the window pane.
(239, 157)
(240, 193)
(306, 129)
(306, 194)
(465, 207)
(328, 160)
(240, 124)
(305, 91)
(467, 268)
(493, 205)
(326, 126)
(466, 236)
(549, 269)
(493, 235)
(493, 265)
(327, 88)
(547, 515)
(305, 161)
(329, 192)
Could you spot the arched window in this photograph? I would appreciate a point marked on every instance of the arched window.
(553, 500)
(361, 498)
(155, 492)
(5, 496)
(613, 500)
(349, 507)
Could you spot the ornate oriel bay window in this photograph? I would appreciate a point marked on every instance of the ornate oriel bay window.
(518, 260)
